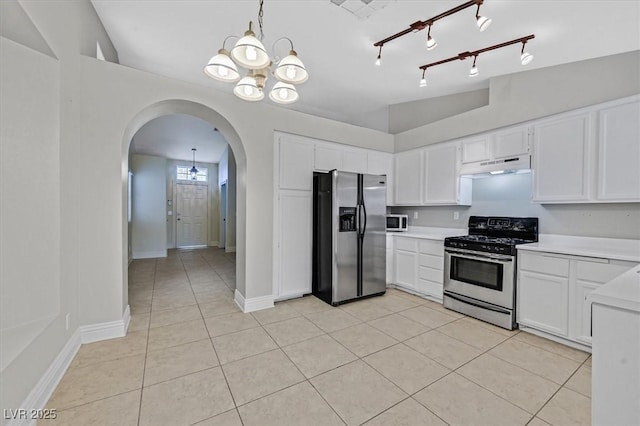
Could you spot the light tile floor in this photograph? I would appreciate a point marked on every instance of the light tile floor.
(191, 357)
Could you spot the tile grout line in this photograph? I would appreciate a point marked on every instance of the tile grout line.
(146, 353)
(235, 405)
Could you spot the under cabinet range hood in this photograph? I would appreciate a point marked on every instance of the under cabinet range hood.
(516, 164)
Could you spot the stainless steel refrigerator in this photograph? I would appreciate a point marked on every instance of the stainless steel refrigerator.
(349, 236)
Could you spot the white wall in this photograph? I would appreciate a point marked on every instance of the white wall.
(227, 173)
(148, 213)
(30, 288)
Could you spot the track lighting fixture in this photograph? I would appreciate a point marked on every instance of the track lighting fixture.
(473, 72)
(250, 53)
(525, 57)
(193, 172)
(482, 21)
(379, 58)
(423, 80)
(431, 42)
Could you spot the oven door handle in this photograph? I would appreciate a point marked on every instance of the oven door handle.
(493, 259)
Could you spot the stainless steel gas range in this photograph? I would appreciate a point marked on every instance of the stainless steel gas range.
(480, 268)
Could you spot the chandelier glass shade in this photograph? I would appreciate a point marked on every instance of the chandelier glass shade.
(249, 53)
(222, 68)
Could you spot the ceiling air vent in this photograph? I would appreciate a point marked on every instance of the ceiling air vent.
(362, 9)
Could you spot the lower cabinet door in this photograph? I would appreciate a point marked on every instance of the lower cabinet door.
(405, 266)
(543, 302)
(582, 314)
(294, 257)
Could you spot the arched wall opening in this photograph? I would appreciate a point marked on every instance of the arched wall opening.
(177, 106)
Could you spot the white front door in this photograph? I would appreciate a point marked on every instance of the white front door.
(191, 215)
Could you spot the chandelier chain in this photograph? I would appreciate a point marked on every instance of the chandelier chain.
(260, 16)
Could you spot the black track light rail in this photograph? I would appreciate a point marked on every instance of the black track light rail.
(421, 25)
(464, 55)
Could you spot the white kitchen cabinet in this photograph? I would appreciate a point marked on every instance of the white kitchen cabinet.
(476, 149)
(354, 160)
(510, 142)
(296, 162)
(561, 158)
(590, 275)
(295, 243)
(619, 152)
(441, 182)
(390, 261)
(406, 262)
(553, 292)
(430, 268)
(408, 178)
(328, 157)
(544, 302)
(381, 163)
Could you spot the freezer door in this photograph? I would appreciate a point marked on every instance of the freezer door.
(374, 244)
(345, 271)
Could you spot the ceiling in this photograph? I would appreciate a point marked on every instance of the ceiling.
(177, 38)
(173, 136)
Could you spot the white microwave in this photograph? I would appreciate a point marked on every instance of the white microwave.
(397, 222)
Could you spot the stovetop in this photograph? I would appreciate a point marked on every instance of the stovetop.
(496, 234)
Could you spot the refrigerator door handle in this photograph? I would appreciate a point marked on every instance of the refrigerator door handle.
(363, 209)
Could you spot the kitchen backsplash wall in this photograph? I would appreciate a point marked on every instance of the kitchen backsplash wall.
(509, 195)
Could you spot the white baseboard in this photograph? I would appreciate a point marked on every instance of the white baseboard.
(253, 304)
(41, 393)
(106, 330)
(230, 249)
(149, 254)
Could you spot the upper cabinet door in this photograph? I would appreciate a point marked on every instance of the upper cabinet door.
(561, 149)
(511, 142)
(476, 149)
(440, 175)
(408, 178)
(328, 158)
(619, 153)
(296, 164)
(354, 160)
(381, 163)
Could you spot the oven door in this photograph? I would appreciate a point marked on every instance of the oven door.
(481, 276)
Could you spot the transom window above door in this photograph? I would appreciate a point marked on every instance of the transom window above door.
(182, 173)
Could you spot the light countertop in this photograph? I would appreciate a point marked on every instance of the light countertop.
(607, 248)
(621, 292)
(430, 233)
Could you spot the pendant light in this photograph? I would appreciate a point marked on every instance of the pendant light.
(250, 54)
(193, 172)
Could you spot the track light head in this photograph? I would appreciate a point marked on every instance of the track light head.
(482, 21)
(423, 80)
(525, 57)
(431, 42)
(379, 58)
(473, 72)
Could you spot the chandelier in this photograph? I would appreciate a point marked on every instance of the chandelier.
(249, 53)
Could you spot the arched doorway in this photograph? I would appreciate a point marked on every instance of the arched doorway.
(177, 106)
